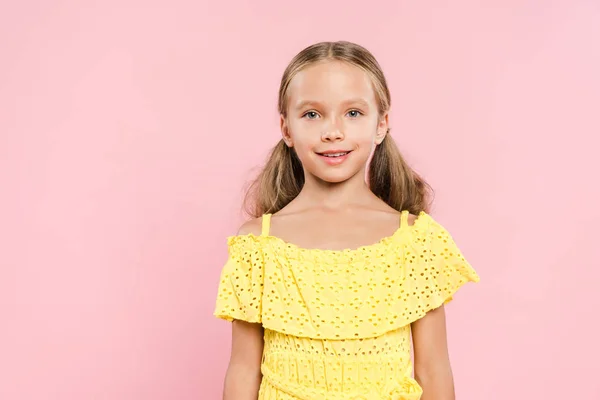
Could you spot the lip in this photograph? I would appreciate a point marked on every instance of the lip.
(333, 151)
(334, 160)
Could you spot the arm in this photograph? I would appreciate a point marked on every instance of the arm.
(243, 377)
(432, 362)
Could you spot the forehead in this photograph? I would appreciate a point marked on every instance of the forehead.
(330, 82)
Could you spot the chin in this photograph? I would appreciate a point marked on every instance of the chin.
(335, 176)
(335, 179)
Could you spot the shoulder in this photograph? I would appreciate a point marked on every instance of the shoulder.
(419, 219)
(253, 226)
(247, 239)
(412, 218)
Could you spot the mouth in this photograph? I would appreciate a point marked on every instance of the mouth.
(334, 154)
(334, 157)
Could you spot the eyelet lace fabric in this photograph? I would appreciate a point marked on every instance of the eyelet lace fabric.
(337, 322)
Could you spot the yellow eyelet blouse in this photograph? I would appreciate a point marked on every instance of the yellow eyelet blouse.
(337, 322)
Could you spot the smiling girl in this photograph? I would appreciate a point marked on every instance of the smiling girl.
(341, 268)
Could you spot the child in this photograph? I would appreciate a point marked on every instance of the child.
(327, 283)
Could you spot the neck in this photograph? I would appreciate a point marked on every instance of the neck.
(335, 196)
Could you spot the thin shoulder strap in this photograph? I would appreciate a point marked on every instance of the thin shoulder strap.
(266, 224)
(404, 219)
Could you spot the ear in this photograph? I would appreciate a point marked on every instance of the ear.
(285, 132)
(382, 129)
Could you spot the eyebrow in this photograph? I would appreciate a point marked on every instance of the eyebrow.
(306, 103)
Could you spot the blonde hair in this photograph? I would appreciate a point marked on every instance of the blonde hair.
(389, 176)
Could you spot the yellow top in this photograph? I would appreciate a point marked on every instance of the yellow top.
(337, 322)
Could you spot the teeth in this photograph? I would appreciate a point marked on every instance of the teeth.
(335, 154)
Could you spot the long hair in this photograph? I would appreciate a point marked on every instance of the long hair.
(389, 177)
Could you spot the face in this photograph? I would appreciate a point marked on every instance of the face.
(332, 120)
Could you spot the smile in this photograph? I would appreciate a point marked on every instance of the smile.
(334, 157)
(334, 154)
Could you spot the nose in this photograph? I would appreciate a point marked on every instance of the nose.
(332, 133)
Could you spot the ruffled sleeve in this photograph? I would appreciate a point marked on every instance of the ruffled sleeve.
(241, 285)
(435, 268)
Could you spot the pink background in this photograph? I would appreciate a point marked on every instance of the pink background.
(128, 129)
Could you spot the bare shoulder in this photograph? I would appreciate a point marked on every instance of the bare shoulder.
(389, 212)
(411, 219)
(253, 226)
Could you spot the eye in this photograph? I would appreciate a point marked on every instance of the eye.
(354, 113)
(310, 115)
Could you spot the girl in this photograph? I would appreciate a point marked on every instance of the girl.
(327, 283)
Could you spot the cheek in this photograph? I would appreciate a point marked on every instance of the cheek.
(304, 149)
(363, 133)
(304, 134)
